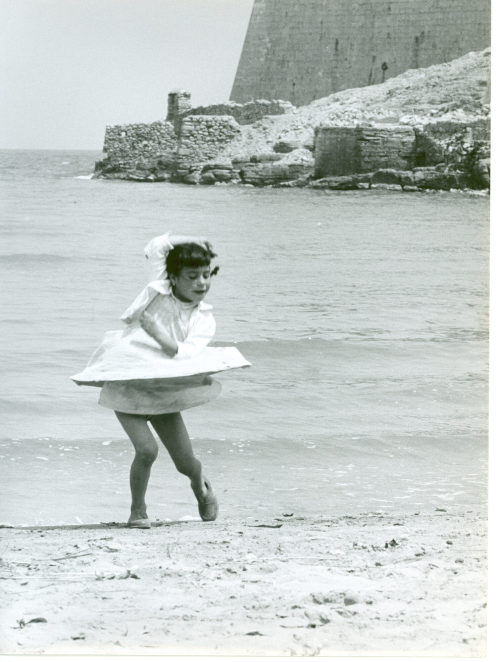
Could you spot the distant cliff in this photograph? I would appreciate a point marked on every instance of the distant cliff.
(300, 50)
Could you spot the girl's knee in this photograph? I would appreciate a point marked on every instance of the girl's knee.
(136, 427)
(146, 454)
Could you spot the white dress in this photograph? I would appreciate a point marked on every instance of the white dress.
(138, 377)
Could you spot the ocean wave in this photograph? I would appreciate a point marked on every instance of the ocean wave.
(15, 258)
(270, 344)
(42, 258)
(360, 343)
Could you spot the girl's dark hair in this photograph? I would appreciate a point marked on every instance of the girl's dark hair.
(189, 255)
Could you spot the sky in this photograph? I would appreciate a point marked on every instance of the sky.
(70, 67)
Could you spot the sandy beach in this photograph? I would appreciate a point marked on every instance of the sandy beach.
(372, 584)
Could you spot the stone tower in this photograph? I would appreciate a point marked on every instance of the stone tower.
(300, 50)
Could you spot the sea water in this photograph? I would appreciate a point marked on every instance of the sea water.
(364, 315)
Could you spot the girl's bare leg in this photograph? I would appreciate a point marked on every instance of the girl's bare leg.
(146, 451)
(175, 438)
(173, 434)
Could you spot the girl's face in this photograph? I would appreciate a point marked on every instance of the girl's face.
(191, 284)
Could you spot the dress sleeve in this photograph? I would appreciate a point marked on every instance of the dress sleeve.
(201, 333)
(143, 299)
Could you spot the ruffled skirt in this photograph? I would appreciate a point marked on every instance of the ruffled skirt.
(159, 396)
(137, 377)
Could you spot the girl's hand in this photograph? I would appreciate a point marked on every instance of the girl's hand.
(152, 326)
(149, 323)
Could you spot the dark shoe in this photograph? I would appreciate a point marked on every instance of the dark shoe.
(207, 505)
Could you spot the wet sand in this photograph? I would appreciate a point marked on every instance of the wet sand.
(372, 584)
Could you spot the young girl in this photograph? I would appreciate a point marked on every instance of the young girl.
(160, 364)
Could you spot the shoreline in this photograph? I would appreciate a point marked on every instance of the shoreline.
(348, 185)
(370, 584)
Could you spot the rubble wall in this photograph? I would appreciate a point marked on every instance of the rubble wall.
(245, 113)
(132, 144)
(203, 137)
(140, 150)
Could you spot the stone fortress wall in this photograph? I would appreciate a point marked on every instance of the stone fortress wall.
(300, 50)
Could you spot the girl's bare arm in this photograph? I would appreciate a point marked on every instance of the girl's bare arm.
(150, 323)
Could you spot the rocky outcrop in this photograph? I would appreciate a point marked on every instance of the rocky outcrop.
(481, 173)
(340, 183)
(445, 141)
(270, 174)
(286, 146)
(356, 139)
(219, 172)
(418, 179)
(438, 155)
(455, 91)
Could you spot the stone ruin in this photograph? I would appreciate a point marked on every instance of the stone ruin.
(191, 146)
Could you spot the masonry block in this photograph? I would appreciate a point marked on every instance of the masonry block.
(348, 150)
